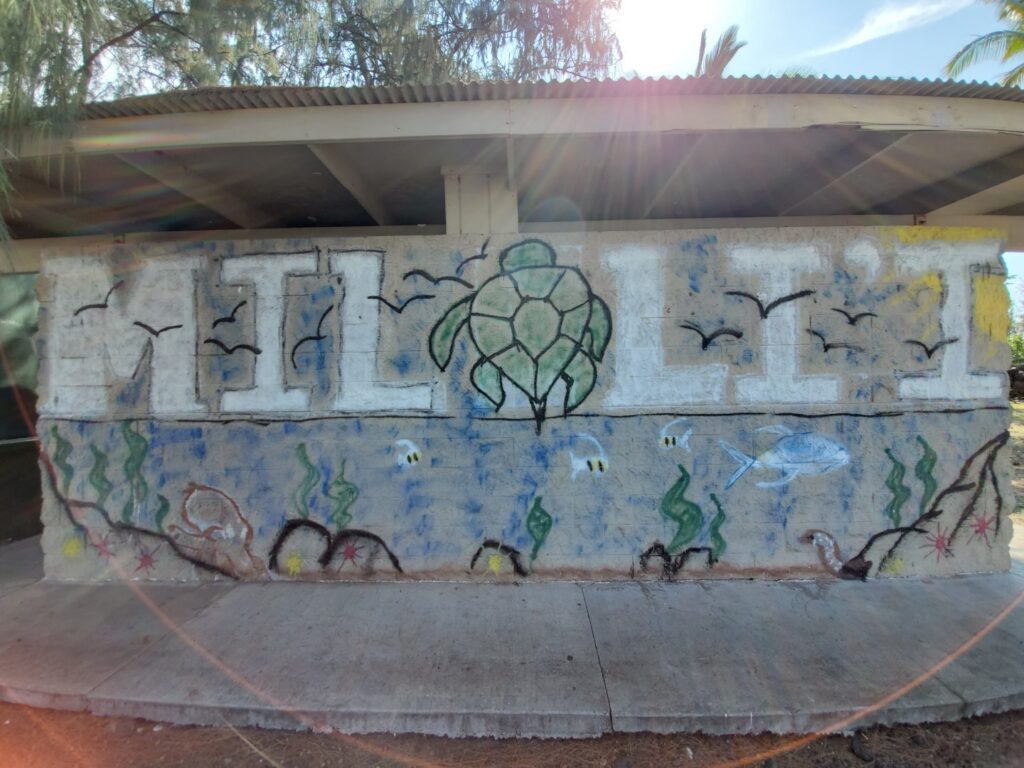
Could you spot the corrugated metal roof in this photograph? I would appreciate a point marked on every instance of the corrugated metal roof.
(219, 99)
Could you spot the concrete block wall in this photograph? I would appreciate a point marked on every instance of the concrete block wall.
(736, 403)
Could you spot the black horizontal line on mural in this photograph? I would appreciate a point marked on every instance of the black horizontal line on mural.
(262, 421)
(355, 250)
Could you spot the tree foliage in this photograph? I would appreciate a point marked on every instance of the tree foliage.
(1006, 45)
(56, 55)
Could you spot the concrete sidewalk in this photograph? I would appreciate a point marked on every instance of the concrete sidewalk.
(549, 659)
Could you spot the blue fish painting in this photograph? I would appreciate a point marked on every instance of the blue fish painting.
(795, 453)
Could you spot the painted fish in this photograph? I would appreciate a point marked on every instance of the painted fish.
(795, 453)
(669, 437)
(408, 454)
(595, 463)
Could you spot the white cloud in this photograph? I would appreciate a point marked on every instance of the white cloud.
(891, 19)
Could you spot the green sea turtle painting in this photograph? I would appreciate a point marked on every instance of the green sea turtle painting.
(533, 323)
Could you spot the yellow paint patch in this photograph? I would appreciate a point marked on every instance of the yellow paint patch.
(894, 567)
(494, 563)
(293, 563)
(925, 291)
(72, 547)
(925, 234)
(992, 312)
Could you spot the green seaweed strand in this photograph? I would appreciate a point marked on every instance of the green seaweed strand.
(309, 482)
(923, 472)
(686, 514)
(60, 458)
(900, 492)
(714, 529)
(138, 489)
(344, 495)
(161, 512)
(98, 477)
(538, 525)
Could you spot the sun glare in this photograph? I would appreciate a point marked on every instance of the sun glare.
(660, 37)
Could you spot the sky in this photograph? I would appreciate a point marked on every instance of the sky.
(884, 38)
(874, 38)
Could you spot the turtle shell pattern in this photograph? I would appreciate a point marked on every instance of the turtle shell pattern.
(530, 322)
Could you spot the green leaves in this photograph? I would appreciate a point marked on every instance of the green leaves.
(344, 495)
(900, 492)
(686, 514)
(61, 452)
(98, 477)
(923, 471)
(538, 525)
(301, 496)
(138, 488)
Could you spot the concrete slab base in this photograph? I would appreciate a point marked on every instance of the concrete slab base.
(505, 660)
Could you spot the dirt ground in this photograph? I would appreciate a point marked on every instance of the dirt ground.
(43, 739)
(33, 738)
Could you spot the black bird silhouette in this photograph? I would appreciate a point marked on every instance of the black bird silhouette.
(706, 340)
(318, 336)
(481, 255)
(399, 308)
(435, 280)
(853, 319)
(764, 310)
(232, 350)
(932, 349)
(153, 331)
(230, 318)
(100, 305)
(826, 346)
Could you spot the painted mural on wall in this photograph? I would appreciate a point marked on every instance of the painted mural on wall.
(656, 405)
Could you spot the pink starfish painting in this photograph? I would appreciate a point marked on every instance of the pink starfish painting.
(103, 547)
(938, 541)
(981, 527)
(349, 552)
(146, 559)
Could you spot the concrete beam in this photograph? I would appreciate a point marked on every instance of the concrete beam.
(539, 117)
(823, 173)
(208, 193)
(961, 187)
(995, 198)
(334, 158)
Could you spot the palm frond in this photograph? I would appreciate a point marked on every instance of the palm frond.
(700, 53)
(723, 52)
(991, 46)
(1015, 77)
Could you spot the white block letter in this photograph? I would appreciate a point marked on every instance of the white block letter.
(358, 387)
(268, 273)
